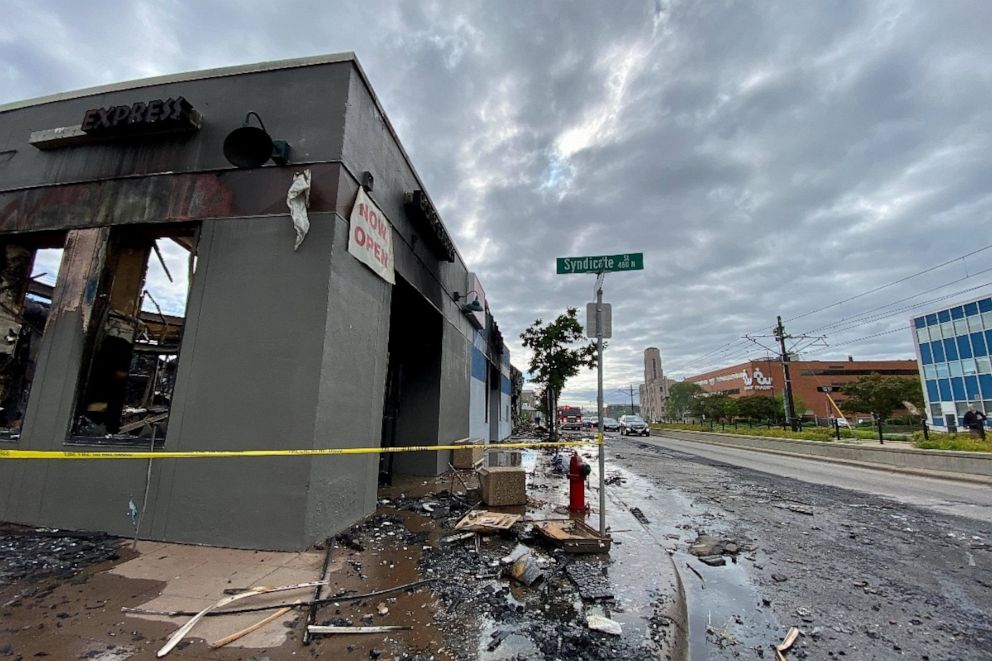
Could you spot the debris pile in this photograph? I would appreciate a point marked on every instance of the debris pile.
(711, 550)
(37, 553)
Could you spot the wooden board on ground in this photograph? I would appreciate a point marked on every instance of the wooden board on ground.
(573, 536)
(486, 521)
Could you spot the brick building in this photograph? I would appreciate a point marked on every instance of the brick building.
(809, 379)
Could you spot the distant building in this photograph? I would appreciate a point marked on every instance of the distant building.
(654, 391)
(528, 405)
(818, 384)
(952, 349)
(616, 410)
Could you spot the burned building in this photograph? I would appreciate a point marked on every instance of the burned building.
(326, 307)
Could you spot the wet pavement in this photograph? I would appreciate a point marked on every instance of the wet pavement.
(862, 576)
(471, 610)
(486, 615)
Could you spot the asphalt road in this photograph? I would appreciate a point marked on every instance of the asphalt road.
(869, 565)
(969, 500)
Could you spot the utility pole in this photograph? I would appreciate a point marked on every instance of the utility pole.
(790, 406)
(632, 411)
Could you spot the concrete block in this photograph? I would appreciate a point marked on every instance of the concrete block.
(465, 459)
(503, 486)
(503, 458)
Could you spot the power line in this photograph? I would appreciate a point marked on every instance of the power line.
(889, 284)
(865, 319)
(902, 300)
(859, 339)
(728, 349)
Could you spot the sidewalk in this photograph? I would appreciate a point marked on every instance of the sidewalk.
(469, 609)
(893, 456)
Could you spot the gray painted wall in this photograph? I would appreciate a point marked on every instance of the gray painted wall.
(281, 348)
(304, 106)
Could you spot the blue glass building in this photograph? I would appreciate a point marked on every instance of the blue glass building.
(952, 350)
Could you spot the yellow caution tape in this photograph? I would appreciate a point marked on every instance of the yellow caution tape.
(216, 454)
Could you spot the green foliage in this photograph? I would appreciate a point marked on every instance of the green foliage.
(681, 397)
(813, 434)
(881, 395)
(714, 407)
(961, 442)
(554, 357)
(759, 407)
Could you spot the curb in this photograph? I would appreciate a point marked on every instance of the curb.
(891, 468)
(679, 650)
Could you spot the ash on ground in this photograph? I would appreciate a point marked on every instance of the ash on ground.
(36, 553)
(483, 610)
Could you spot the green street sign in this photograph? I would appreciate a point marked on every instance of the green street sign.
(633, 261)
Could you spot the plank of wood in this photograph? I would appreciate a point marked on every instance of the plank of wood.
(252, 627)
(319, 628)
(181, 632)
(485, 521)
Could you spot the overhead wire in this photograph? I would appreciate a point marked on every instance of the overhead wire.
(901, 300)
(728, 349)
(908, 308)
(893, 282)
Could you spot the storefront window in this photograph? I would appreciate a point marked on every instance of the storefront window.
(955, 368)
(942, 371)
(984, 365)
(947, 329)
(28, 268)
(129, 374)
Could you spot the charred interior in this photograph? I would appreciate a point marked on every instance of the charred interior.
(132, 354)
(24, 306)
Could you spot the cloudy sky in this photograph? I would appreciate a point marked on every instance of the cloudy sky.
(768, 158)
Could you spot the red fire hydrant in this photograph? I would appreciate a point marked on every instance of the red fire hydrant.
(578, 471)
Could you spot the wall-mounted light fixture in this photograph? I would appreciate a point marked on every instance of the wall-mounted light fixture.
(368, 181)
(472, 306)
(251, 146)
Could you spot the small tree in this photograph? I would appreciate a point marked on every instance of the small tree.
(555, 359)
(881, 395)
(757, 407)
(731, 409)
(681, 397)
(715, 407)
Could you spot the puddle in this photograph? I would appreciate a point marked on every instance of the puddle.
(498, 641)
(729, 604)
(725, 610)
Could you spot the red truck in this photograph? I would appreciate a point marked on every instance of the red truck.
(570, 417)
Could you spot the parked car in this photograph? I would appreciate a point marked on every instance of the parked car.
(609, 424)
(633, 424)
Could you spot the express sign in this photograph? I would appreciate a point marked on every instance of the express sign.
(170, 114)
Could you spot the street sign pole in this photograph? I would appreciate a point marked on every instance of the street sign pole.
(600, 265)
(599, 400)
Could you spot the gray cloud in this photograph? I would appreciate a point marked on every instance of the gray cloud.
(768, 158)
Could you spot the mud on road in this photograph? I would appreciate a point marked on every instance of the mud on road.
(863, 577)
